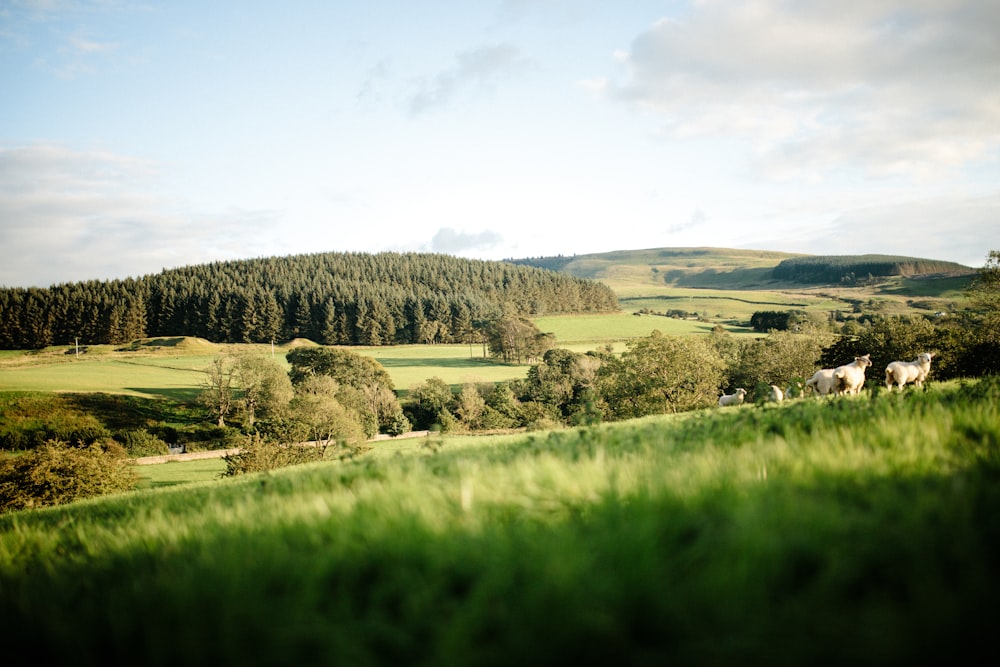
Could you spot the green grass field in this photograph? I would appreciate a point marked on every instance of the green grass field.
(175, 367)
(180, 374)
(861, 531)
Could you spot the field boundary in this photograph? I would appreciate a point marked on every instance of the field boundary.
(219, 453)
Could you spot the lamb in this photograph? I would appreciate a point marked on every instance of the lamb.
(775, 395)
(822, 381)
(850, 378)
(901, 372)
(732, 399)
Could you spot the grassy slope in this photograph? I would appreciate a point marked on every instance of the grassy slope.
(730, 284)
(853, 531)
(177, 371)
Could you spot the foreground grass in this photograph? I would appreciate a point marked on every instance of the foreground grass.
(843, 532)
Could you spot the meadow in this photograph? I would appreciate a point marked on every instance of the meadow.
(850, 531)
(174, 367)
(859, 531)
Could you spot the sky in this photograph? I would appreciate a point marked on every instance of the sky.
(137, 136)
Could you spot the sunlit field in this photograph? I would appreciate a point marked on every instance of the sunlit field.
(862, 531)
(180, 374)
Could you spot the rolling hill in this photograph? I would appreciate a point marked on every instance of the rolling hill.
(729, 268)
(729, 285)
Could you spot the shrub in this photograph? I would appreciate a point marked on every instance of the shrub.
(140, 442)
(258, 454)
(55, 473)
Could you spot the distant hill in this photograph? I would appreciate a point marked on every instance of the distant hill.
(332, 298)
(855, 268)
(728, 268)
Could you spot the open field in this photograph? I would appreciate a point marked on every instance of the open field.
(588, 332)
(729, 285)
(858, 530)
(179, 374)
(862, 531)
(175, 367)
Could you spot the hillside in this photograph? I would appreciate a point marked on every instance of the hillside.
(728, 285)
(721, 537)
(728, 268)
(333, 298)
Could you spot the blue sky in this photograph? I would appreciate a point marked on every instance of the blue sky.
(138, 136)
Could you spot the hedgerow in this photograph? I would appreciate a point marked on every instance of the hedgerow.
(56, 473)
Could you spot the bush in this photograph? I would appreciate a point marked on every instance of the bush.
(140, 442)
(55, 473)
(258, 454)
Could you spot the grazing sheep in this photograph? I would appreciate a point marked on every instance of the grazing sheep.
(732, 399)
(821, 382)
(901, 372)
(850, 378)
(776, 395)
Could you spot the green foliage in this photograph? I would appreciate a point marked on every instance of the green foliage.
(660, 374)
(217, 395)
(860, 532)
(344, 366)
(140, 442)
(566, 381)
(29, 420)
(265, 387)
(886, 339)
(364, 386)
(517, 340)
(56, 473)
(427, 401)
(259, 455)
(330, 412)
(772, 320)
(398, 424)
(852, 268)
(775, 359)
(335, 298)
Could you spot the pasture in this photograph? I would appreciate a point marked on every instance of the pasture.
(729, 285)
(174, 367)
(862, 530)
(176, 372)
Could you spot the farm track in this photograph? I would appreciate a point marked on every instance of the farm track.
(712, 297)
(219, 453)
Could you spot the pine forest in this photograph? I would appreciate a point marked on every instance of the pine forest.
(331, 298)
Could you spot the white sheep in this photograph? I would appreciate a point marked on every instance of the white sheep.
(822, 381)
(732, 399)
(775, 395)
(850, 378)
(901, 372)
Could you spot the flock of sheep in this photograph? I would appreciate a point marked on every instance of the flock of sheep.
(849, 379)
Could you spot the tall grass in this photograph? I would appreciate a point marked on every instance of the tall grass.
(851, 531)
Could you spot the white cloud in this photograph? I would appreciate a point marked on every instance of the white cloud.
(477, 71)
(84, 45)
(891, 87)
(961, 229)
(75, 215)
(451, 241)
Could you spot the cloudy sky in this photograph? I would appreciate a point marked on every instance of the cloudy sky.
(142, 135)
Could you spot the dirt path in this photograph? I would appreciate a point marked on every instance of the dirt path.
(219, 453)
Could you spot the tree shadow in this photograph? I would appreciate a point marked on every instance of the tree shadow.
(472, 362)
(179, 394)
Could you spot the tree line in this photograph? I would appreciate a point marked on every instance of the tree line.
(663, 374)
(855, 268)
(331, 298)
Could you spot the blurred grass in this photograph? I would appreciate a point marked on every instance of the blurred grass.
(851, 531)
